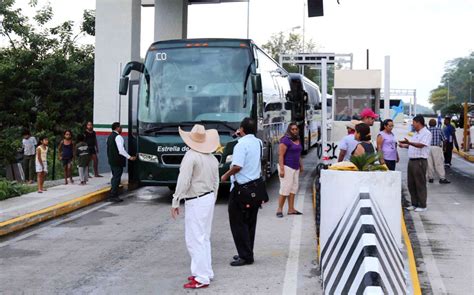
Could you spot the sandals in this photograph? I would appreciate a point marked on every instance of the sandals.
(295, 213)
(279, 214)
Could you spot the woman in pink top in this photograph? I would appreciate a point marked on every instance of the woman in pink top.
(387, 145)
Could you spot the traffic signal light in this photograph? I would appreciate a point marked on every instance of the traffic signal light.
(315, 8)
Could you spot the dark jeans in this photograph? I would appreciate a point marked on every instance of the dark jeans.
(117, 172)
(242, 224)
(390, 164)
(448, 153)
(416, 179)
(29, 167)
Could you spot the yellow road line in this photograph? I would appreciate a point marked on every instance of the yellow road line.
(318, 248)
(411, 260)
(51, 212)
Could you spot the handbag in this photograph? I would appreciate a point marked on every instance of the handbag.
(253, 193)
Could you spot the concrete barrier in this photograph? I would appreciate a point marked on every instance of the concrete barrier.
(361, 233)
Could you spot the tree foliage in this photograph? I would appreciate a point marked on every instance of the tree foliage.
(280, 43)
(456, 74)
(46, 77)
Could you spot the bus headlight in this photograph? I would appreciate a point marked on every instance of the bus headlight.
(228, 159)
(148, 158)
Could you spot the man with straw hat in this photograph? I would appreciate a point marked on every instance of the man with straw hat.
(197, 185)
(348, 142)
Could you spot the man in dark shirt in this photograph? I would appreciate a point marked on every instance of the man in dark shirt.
(117, 156)
(451, 141)
(91, 140)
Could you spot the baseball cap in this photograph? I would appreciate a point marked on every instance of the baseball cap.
(368, 113)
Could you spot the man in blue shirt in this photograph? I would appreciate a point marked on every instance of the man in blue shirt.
(450, 135)
(245, 167)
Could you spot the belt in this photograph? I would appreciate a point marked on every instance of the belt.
(417, 159)
(192, 198)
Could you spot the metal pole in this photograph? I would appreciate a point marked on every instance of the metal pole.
(466, 146)
(414, 102)
(368, 59)
(447, 98)
(324, 86)
(248, 19)
(409, 109)
(386, 95)
(304, 23)
(470, 87)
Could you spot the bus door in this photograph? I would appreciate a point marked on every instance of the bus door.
(133, 131)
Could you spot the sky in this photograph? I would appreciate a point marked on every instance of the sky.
(420, 36)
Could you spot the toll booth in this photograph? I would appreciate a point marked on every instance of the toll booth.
(354, 90)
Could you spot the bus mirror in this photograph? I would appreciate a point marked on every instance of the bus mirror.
(256, 83)
(133, 66)
(123, 87)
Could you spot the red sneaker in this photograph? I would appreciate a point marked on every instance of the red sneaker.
(191, 278)
(195, 285)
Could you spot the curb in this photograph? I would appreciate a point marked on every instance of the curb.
(411, 259)
(465, 155)
(24, 221)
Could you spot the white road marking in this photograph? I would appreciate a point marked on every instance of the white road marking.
(432, 270)
(290, 282)
(39, 230)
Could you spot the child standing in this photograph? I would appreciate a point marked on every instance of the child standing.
(41, 162)
(66, 155)
(83, 158)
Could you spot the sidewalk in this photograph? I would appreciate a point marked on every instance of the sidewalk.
(468, 156)
(20, 212)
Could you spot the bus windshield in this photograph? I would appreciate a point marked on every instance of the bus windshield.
(194, 84)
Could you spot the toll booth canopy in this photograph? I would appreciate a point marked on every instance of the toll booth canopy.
(355, 90)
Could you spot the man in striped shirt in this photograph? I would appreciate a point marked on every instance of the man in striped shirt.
(436, 157)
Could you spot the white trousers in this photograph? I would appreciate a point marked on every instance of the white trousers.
(436, 163)
(198, 224)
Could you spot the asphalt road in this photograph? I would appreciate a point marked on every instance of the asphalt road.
(136, 248)
(443, 236)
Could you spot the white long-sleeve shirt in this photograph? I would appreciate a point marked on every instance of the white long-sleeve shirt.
(198, 174)
(119, 142)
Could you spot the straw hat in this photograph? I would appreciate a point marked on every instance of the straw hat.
(352, 124)
(200, 139)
